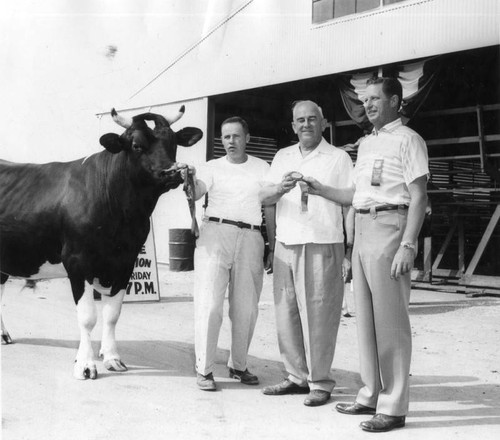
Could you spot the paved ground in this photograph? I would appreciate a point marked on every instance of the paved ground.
(455, 384)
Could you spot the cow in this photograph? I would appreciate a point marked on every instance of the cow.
(88, 220)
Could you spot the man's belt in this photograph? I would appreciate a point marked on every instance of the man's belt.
(382, 208)
(233, 222)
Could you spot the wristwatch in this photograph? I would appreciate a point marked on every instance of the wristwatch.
(408, 245)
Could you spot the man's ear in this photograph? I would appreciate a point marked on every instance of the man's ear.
(394, 102)
(188, 136)
(112, 142)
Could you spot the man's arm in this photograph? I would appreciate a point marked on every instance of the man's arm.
(270, 215)
(271, 193)
(404, 258)
(199, 186)
(348, 215)
(343, 196)
(199, 189)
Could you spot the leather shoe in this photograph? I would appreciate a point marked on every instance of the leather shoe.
(383, 423)
(285, 387)
(206, 383)
(354, 408)
(244, 376)
(317, 398)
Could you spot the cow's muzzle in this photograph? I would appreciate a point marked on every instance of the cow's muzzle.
(174, 169)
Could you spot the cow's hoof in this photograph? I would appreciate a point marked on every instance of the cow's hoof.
(84, 371)
(6, 339)
(114, 365)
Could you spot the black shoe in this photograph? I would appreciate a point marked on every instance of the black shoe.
(317, 398)
(206, 383)
(244, 376)
(383, 423)
(285, 387)
(354, 408)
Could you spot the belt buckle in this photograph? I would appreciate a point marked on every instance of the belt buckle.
(240, 224)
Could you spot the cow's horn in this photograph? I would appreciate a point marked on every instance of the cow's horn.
(176, 117)
(121, 120)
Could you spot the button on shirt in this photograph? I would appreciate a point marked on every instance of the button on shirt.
(233, 189)
(322, 222)
(405, 158)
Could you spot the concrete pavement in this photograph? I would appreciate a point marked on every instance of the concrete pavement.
(455, 385)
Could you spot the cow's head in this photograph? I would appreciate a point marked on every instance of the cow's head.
(153, 151)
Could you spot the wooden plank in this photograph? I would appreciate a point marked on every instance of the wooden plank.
(482, 244)
(445, 273)
(462, 140)
(460, 157)
(461, 246)
(480, 281)
(427, 259)
(480, 130)
(457, 111)
(444, 246)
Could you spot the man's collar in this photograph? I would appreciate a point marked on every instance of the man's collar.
(323, 147)
(388, 127)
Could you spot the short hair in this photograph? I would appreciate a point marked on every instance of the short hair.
(296, 103)
(390, 86)
(236, 120)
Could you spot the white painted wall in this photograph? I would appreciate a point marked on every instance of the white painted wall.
(273, 41)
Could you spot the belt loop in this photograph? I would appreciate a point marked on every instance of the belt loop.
(373, 212)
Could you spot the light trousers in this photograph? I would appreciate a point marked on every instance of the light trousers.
(226, 258)
(382, 316)
(308, 293)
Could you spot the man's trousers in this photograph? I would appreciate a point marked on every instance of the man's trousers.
(227, 258)
(382, 316)
(308, 293)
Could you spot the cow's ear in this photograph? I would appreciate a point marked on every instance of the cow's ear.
(112, 142)
(188, 136)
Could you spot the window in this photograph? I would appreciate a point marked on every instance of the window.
(323, 10)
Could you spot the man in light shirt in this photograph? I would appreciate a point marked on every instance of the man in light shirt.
(309, 250)
(390, 198)
(229, 254)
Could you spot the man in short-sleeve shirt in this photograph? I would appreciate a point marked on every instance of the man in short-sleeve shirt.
(308, 286)
(229, 254)
(390, 198)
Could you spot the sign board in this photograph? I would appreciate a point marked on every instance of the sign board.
(143, 284)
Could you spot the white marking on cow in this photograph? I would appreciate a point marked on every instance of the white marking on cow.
(101, 289)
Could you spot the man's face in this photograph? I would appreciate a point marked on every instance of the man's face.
(235, 141)
(380, 108)
(308, 124)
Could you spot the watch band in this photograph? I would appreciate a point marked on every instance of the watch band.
(408, 245)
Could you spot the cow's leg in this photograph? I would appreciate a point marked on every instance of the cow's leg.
(111, 309)
(6, 339)
(85, 366)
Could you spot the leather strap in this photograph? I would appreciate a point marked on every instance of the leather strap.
(382, 208)
(234, 223)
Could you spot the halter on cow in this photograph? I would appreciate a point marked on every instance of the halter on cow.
(88, 220)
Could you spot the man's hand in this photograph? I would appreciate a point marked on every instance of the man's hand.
(346, 270)
(315, 187)
(268, 265)
(288, 182)
(402, 263)
(185, 168)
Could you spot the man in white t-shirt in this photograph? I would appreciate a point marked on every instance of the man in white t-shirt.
(229, 254)
(308, 285)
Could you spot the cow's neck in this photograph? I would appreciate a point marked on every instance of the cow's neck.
(127, 191)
